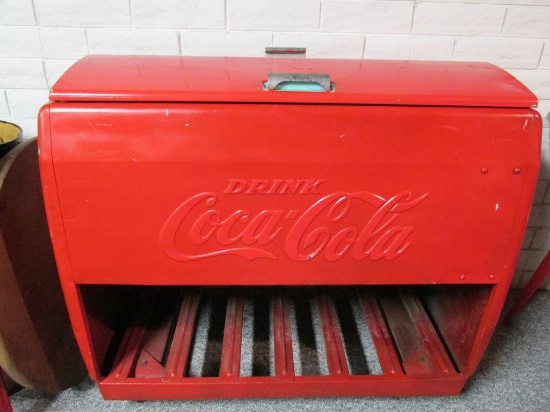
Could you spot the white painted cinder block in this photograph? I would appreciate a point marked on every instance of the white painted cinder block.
(332, 46)
(21, 73)
(4, 110)
(544, 172)
(545, 58)
(64, 43)
(129, 41)
(527, 22)
(55, 68)
(544, 109)
(545, 151)
(534, 257)
(522, 260)
(516, 2)
(20, 41)
(277, 15)
(517, 279)
(409, 47)
(17, 12)
(84, 13)
(179, 14)
(458, 19)
(540, 192)
(221, 43)
(540, 238)
(506, 53)
(455, 1)
(537, 80)
(387, 47)
(528, 238)
(432, 48)
(540, 215)
(26, 102)
(367, 17)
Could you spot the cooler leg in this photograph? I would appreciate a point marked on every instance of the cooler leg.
(539, 276)
(5, 405)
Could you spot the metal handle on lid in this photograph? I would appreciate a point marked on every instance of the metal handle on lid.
(305, 82)
(296, 52)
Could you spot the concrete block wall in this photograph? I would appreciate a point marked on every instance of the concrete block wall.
(40, 39)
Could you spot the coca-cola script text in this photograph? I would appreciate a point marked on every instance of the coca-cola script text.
(381, 234)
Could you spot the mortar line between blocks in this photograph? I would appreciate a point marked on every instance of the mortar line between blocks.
(412, 17)
(36, 19)
(541, 53)
(5, 94)
(504, 21)
(453, 53)
(87, 34)
(45, 73)
(131, 14)
(225, 15)
(321, 15)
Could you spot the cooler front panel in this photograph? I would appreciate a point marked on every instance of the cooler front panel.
(289, 194)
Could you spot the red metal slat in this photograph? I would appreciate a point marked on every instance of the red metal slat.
(157, 336)
(336, 358)
(117, 364)
(387, 356)
(231, 349)
(431, 340)
(183, 335)
(131, 344)
(131, 352)
(282, 337)
(414, 355)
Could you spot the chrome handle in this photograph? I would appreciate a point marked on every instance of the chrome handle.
(299, 82)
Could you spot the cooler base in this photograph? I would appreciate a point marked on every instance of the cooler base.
(212, 388)
(243, 342)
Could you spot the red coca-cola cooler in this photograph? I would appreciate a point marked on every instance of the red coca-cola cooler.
(250, 227)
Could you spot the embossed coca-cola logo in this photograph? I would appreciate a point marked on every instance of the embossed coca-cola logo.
(320, 230)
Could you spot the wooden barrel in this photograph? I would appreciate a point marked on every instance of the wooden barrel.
(37, 346)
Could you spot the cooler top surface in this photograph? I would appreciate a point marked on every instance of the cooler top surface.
(230, 79)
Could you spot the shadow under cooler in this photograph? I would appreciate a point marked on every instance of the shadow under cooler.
(221, 234)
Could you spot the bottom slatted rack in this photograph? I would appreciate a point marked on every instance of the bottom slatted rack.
(223, 342)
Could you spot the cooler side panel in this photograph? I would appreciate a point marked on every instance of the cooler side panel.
(59, 241)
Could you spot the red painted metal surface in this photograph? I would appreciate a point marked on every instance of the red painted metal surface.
(214, 79)
(5, 404)
(167, 173)
(270, 198)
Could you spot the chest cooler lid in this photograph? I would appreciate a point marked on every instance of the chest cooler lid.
(229, 79)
